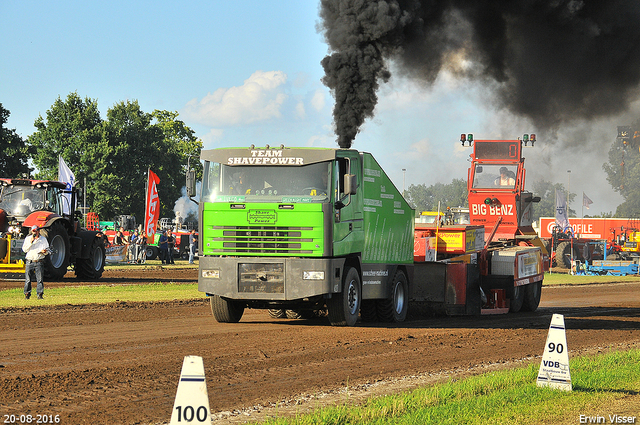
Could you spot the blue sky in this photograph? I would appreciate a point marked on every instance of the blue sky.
(248, 72)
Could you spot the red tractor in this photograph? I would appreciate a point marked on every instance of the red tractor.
(51, 206)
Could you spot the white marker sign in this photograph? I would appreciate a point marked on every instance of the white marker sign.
(192, 402)
(554, 368)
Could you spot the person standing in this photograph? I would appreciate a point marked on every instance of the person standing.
(162, 243)
(193, 242)
(171, 241)
(36, 248)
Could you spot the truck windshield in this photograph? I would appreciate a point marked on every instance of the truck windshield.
(494, 176)
(21, 200)
(307, 183)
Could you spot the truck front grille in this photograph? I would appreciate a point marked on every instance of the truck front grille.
(261, 277)
(263, 239)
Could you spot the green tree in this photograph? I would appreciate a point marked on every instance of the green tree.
(425, 198)
(115, 154)
(623, 174)
(546, 190)
(15, 152)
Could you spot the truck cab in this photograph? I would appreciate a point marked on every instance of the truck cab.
(301, 229)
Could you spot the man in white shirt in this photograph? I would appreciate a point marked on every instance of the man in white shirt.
(36, 247)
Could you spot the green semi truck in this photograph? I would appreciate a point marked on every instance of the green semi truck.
(301, 229)
(297, 231)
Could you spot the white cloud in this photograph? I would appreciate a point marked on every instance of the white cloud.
(318, 100)
(212, 137)
(300, 111)
(260, 98)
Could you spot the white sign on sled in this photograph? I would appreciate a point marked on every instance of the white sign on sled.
(192, 402)
(554, 368)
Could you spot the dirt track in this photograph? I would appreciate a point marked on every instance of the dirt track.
(120, 363)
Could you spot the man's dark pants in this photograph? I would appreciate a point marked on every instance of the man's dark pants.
(38, 268)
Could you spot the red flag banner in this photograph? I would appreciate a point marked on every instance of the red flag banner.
(153, 205)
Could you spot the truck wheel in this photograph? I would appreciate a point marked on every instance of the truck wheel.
(517, 298)
(394, 308)
(300, 314)
(277, 313)
(226, 311)
(56, 263)
(91, 268)
(343, 308)
(151, 252)
(532, 294)
(369, 311)
(563, 255)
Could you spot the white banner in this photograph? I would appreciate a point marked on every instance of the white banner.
(562, 215)
(65, 175)
(116, 254)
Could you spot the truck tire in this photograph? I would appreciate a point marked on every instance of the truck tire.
(151, 252)
(369, 311)
(516, 297)
(56, 263)
(343, 308)
(277, 313)
(394, 308)
(226, 311)
(92, 268)
(300, 314)
(563, 255)
(532, 294)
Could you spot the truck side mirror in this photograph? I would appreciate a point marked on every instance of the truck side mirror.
(191, 183)
(350, 184)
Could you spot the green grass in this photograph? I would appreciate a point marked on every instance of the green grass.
(506, 397)
(567, 279)
(101, 294)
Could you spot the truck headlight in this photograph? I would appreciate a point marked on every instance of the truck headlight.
(212, 274)
(310, 275)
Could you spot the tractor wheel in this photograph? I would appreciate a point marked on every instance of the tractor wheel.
(394, 308)
(343, 308)
(517, 298)
(226, 311)
(56, 263)
(91, 268)
(563, 255)
(277, 313)
(532, 294)
(151, 252)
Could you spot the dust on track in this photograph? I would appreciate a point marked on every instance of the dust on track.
(120, 362)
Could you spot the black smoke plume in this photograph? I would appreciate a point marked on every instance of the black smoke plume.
(548, 60)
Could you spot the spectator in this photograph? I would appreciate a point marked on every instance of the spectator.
(133, 253)
(171, 242)
(141, 247)
(164, 246)
(193, 243)
(36, 248)
(118, 238)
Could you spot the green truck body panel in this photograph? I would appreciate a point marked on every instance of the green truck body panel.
(388, 219)
(261, 242)
(262, 229)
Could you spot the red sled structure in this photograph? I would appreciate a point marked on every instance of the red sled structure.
(496, 263)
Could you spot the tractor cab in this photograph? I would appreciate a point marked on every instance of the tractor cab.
(496, 188)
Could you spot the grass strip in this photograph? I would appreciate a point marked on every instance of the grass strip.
(100, 294)
(505, 397)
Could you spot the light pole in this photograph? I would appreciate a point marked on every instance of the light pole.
(404, 174)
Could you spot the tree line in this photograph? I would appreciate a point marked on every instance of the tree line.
(112, 154)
